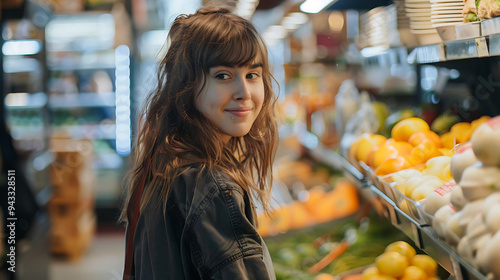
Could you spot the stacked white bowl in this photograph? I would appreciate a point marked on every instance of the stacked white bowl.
(446, 12)
(419, 13)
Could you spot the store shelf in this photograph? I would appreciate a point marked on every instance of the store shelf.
(28, 132)
(328, 156)
(70, 67)
(456, 50)
(79, 100)
(92, 131)
(22, 101)
(421, 234)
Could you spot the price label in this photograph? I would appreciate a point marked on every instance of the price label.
(464, 147)
(482, 47)
(494, 123)
(441, 51)
(446, 188)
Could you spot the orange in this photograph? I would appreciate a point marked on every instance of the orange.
(338, 203)
(392, 165)
(426, 263)
(366, 144)
(281, 219)
(414, 273)
(381, 154)
(462, 131)
(476, 123)
(414, 160)
(404, 148)
(423, 152)
(299, 216)
(448, 140)
(264, 228)
(390, 149)
(315, 195)
(404, 129)
(391, 264)
(425, 136)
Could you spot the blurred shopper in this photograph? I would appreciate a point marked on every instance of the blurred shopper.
(203, 156)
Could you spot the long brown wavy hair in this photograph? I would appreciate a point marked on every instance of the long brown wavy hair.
(173, 133)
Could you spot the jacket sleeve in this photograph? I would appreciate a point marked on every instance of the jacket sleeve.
(224, 243)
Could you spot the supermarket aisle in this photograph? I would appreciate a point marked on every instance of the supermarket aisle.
(103, 261)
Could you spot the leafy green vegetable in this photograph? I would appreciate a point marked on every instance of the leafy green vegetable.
(470, 17)
(299, 250)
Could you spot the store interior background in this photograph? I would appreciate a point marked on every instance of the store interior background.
(75, 74)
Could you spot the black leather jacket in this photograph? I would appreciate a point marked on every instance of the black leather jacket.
(207, 232)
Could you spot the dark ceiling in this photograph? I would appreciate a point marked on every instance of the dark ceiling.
(358, 4)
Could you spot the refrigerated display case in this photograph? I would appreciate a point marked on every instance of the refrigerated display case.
(24, 144)
(25, 102)
(89, 93)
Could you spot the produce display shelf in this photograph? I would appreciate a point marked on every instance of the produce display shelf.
(421, 234)
(425, 240)
(484, 46)
(335, 160)
(328, 156)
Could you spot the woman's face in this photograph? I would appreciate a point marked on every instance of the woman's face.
(232, 98)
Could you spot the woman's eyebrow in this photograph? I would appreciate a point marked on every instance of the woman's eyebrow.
(255, 65)
(251, 66)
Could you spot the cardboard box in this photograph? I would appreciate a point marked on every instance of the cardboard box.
(73, 239)
(62, 211)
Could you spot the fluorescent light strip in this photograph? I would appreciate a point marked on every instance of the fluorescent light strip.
(122, 100)
(21, 47)
(314, 6)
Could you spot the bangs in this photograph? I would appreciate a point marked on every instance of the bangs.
(237, 49)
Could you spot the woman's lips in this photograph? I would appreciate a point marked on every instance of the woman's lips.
(239, 112)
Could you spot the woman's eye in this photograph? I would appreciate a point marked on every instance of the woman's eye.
(253, 76)
(222, 76)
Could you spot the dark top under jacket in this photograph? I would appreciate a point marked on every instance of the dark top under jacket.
(207, 232)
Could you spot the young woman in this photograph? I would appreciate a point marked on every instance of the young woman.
(204, 154)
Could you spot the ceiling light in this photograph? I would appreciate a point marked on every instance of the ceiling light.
(314, 6)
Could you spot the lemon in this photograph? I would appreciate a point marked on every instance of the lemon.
(369, 273)
(414, 273)
(403, 248)
(392, 264)
(426, 263)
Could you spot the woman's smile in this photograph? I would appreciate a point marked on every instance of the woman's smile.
(239, 112)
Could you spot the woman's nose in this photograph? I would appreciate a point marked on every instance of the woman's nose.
(242, 90)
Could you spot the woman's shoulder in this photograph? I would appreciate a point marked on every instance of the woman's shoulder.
(208, 177)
